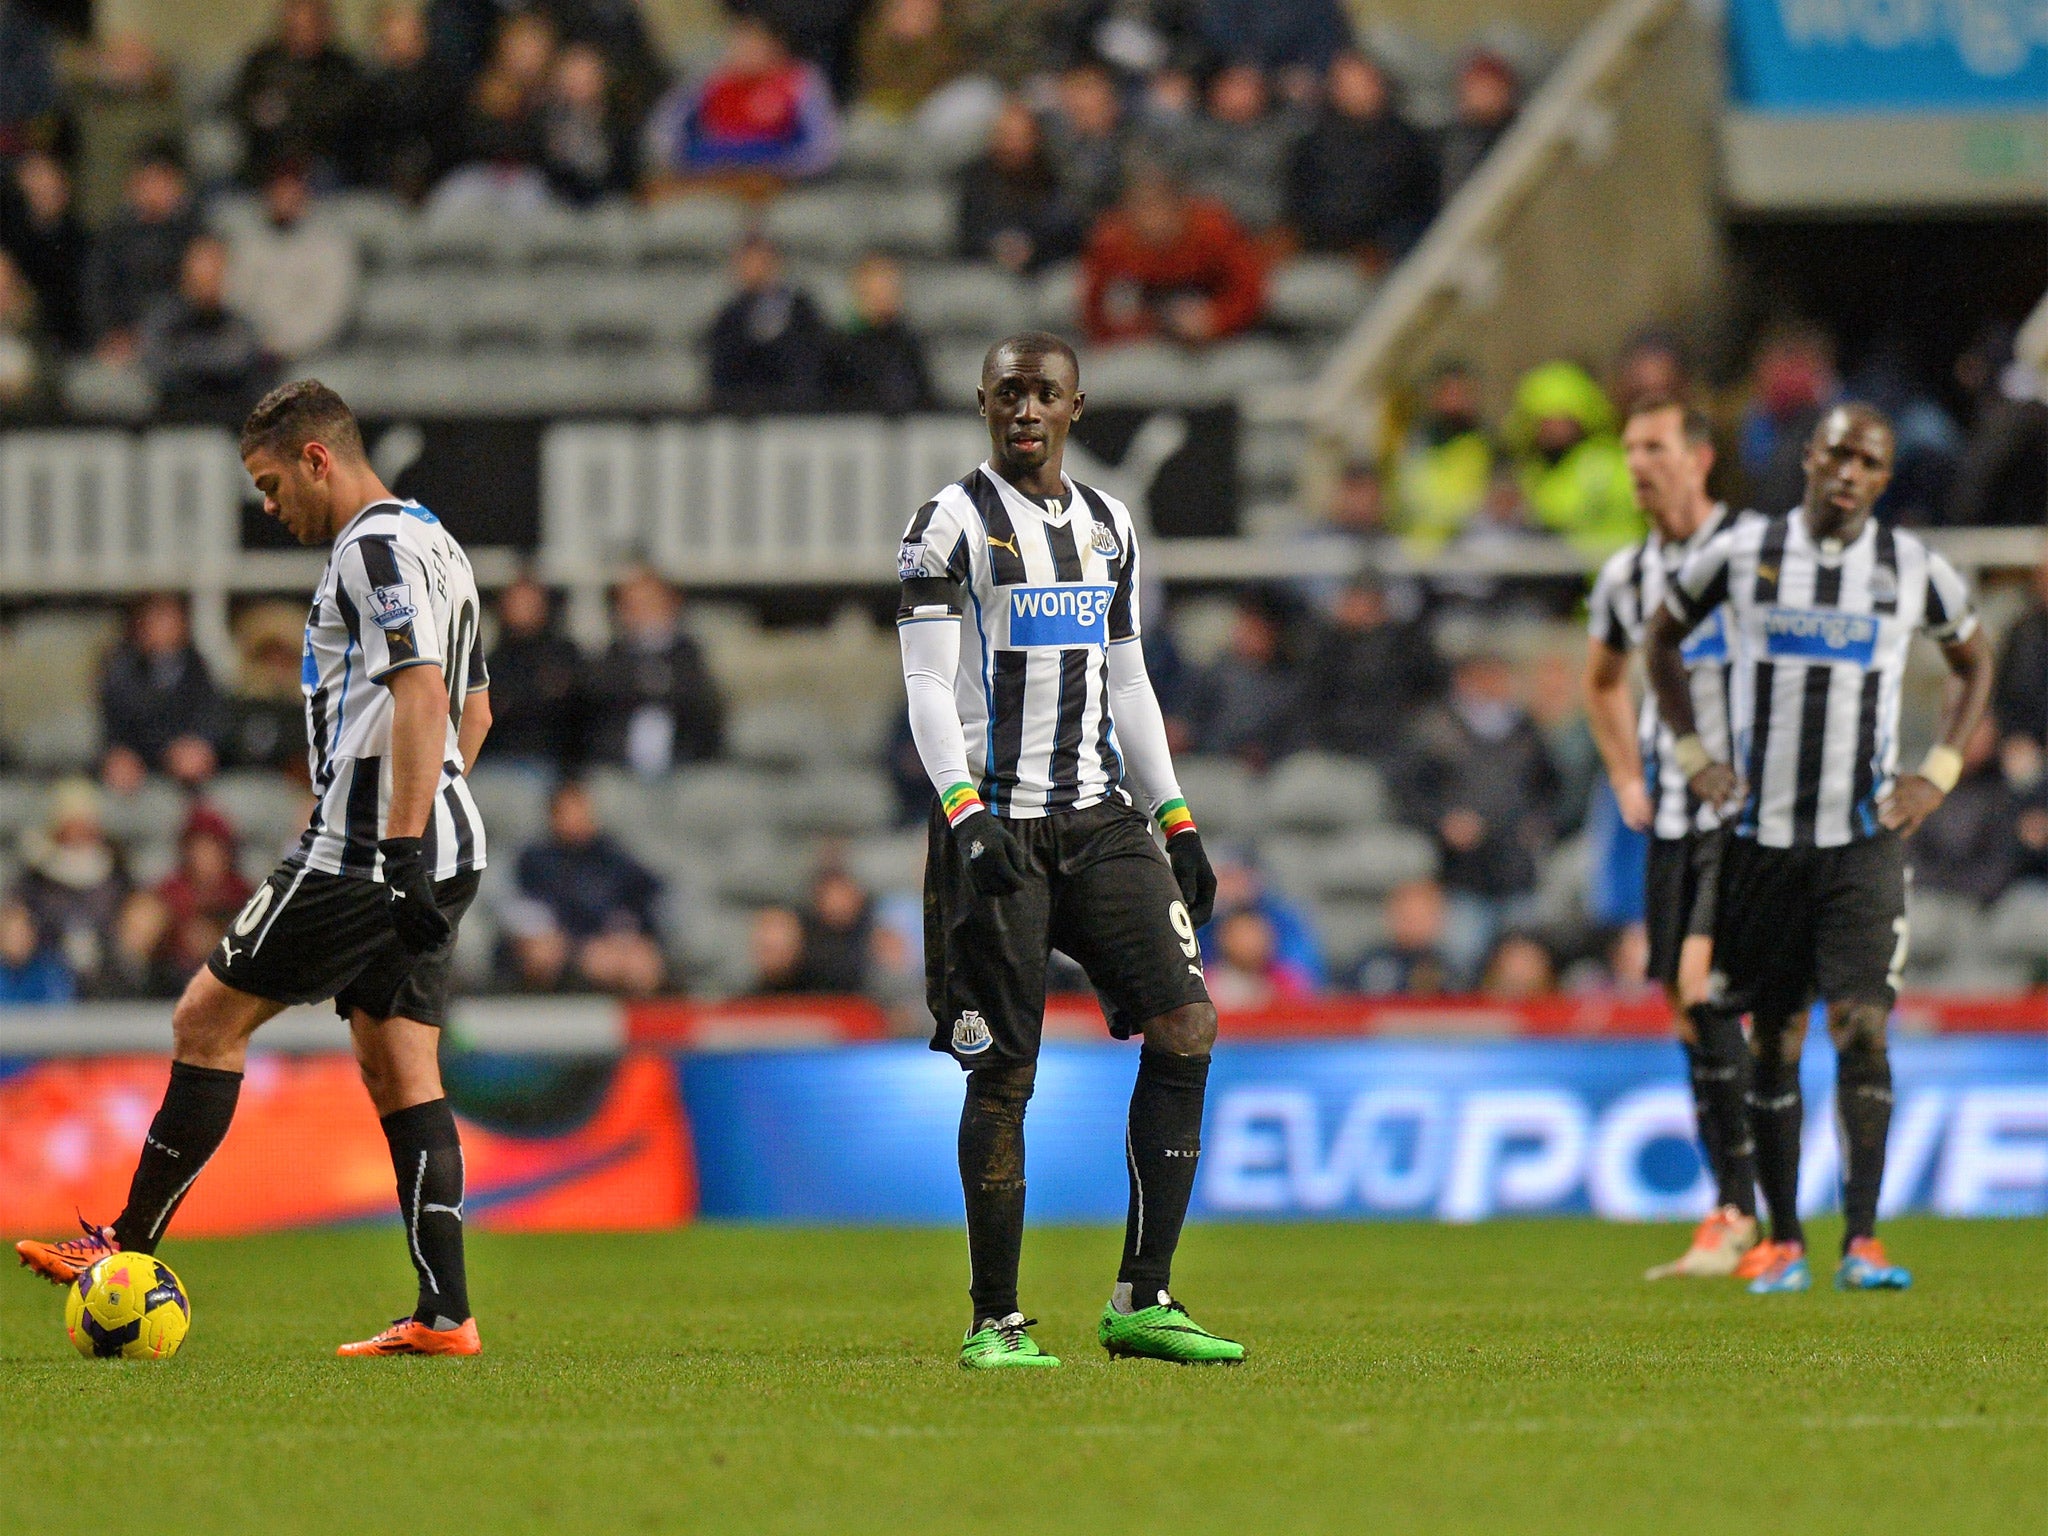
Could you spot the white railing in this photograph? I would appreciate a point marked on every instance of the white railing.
(1456, 261)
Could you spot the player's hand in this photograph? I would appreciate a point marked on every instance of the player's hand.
(994, 861)
(409, 888)
(1633, 798)
(1912, 800)
(1192, 871)
(1717, 785)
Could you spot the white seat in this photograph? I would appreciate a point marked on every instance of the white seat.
(1313, 790)
(1317, 293)
(696, 227)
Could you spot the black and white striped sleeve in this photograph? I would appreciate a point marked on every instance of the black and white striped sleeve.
(1948, 617)
(1701, 584)
(1124, 600)
(387, 587)
(1606, 621)
(934, 564)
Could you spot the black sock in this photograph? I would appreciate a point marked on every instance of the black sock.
(992, 1179)
(1776, 1114)
(1720, 1096)
(1161, 1148)
(197, 1109)
(426, 1156)
(1863, 1100)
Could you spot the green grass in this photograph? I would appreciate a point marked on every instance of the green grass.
(1504, 1378)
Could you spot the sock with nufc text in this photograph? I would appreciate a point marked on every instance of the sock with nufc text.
(426, 1157)
(1863, 1101)
(1720, 1091)
(992, 1180)
(1777, 1113)
(198, 1107)
(1162, 1146)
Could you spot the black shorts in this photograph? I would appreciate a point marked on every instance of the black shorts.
(1679, 891)
(1797, 923)
(1100, 891)
(305, 937)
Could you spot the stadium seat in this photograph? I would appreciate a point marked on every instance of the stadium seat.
(1348, 928)
(605, 236)
(889, 861)
(468, 239)
(1234, 366)
(155, 809)
(1318, 791)
(916, 221)
(836, 222)
(1057, 292)
(757, 868)
(513, 803)
(2019, 925)
(510, 310)
(1371, 861)
(837, 801)
(697, 228)
(606, 310)
(1317, 293)
(964, 299)
(268, 810)
(714, 799)
(1222, 794)
(402, 310)
(22, 804)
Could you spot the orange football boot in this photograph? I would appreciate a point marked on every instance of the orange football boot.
(406, 1337)
(1758, 1259)
(62, 1263)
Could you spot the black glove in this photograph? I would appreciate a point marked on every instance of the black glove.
(994, 861)
(409, 887)
(1197, 880)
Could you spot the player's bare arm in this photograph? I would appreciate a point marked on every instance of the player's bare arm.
(1611, 714)
(476, 725)
(1916, 796)
(1715, 783)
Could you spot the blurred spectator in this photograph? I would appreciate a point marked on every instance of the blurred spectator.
(159, 711)
(1361, 180)
(1242, 705)
(649, 702)
(1292, 959)
(27, 367)
(838, 923)
(1305, 34)
(1012, 211)
(1489, 95)
(588, 913)
(587, 152)
(28, 79)
(1238, 151)
(1246, 971)
(1926, 443)
(124, 104)
(759, 111)
(31, 972)
(73, 887)
(1652, 365)
(824, 33)
(908, 51)
(767, 346)
(2002, 481)
(1164, 264)
(617, 29)
(775, 950)
(295, 278)
(166, 933)
(409, 104)
(40, 230)
(534, 669)
(1365, 677)
(1141, 39)
(205, 359)
(1791, 384)
(501, 142)
(1411, 962)
(1557, 704)
(1967, 846)
(1165, 120)
(1445, 463)
(297, 96)
(1478, 778)
(135, 261)
(1085, 135)
(267, 712)
(877, 363)
(1518, 969)
(2019, 694)
(1013, 41)
(1569, 462)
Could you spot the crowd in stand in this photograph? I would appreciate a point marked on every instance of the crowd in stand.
(1487, 758)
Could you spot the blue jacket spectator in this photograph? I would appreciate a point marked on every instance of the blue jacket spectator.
(28, 76)
(768, 347)
(1297, 954)
(759, 110)
(588, 912)
(159, 709)
(29, 972)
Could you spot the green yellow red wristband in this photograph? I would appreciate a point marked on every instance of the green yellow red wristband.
(959, 803)
(1174, 816)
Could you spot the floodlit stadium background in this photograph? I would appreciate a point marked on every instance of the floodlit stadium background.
(674, 316)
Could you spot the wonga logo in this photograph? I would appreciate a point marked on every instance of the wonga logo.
(1806, 634)
(1059, 616)
(1707, 643)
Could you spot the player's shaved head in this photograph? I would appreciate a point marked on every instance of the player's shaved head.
(1027, 348)
(302, 412)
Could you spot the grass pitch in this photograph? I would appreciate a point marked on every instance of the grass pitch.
(1503, 1378)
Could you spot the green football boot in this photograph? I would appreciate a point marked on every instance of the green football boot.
(1000, 1344)
(1164, 1332)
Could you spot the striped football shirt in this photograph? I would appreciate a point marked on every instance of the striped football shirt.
(1631, 587)
(1044, 589)
(397, 592)
(1821, 632)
